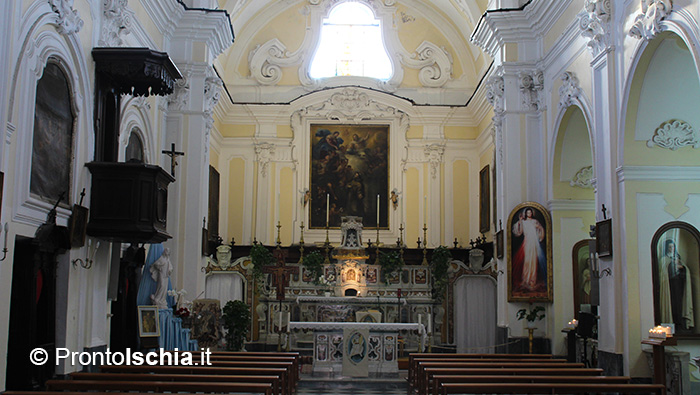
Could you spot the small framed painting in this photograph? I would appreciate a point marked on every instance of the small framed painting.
(603, 237)
(148, 321)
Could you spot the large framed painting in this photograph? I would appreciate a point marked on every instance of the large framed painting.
(529, 254)
(349, 174)
(484, 200)
(675, 253)
(581, 268)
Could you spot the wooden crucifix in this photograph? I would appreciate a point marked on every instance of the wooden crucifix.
(173, 157)
(280, 273)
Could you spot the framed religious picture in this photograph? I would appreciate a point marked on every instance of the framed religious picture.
(77, 226)
(148, 321)
(675, 258)
(603, 237)
(484, 200)
(349, 174)
(529, 254)
(581, 267)
(499, 244)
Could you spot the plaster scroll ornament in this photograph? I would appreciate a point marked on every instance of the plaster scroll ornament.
(434, 154)
(349, 105)
(178, 100)
(68, 20)
(266, 60)
(583, 178)
(264, 153)
(674, 134)
(142, 103)
(435, 64)
(494, 94)
(212, 93)
(594, 22)
(116, 23)
(648, 23)
(569, 91)
(531, 85)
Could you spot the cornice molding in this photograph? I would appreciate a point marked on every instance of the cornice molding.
(571, 205)
(497, 27)
(658, 173)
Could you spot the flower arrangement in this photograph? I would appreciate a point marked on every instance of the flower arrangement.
(535, 313)
(182, 312)
(179, 296)
(325, 283)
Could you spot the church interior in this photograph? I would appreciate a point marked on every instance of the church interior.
(351, 184)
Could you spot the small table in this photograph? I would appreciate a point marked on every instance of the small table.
(660, 357)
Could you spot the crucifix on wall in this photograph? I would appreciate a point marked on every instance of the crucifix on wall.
(280, 273)
(173, 157)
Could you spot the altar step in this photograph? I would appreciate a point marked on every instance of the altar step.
(337, 384)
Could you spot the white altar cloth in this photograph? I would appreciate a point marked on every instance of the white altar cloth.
(372, 326)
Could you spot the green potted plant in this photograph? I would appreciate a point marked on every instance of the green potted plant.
(390, 263)
(534, 314)
(439, 265)
(313, 263)
(260, 257)
(236, 317)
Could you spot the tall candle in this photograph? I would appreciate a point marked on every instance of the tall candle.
(425, 209)
(289, 319)
(280, 324)
(430, 323)
(277, 213)
(377, 210)
(7, 228)
(420, 318)
(328, 205)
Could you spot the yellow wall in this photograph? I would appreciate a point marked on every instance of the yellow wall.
(460, 194)
(287, 199)
(284, 131)
(415, 132)
(561, 24)
(461, 132)
(228, 130)
(214, 159)
(235, 205)
(412, 198)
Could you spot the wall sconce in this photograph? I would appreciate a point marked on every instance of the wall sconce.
(5, 228)
(90, 258)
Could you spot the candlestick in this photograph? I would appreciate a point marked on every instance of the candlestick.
(328, 205)
(301, 243)
(377, 211)
(279, 226)
(425, 245)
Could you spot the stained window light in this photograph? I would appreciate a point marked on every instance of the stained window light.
(351, 45)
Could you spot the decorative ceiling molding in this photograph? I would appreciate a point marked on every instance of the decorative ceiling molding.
(569, 91)
(531, 84)
(647, 24)
(68, 20)
(583, 178)
(674, 134)
(266, 61)
(117, 19)
(350, 105)
(594, 22)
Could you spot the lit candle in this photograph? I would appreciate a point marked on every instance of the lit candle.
(377, 210)
(328, 205)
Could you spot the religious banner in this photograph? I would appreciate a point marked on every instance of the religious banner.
(349, 174)
(529, 254)
(355, 350)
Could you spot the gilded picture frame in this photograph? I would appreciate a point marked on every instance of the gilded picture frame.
(149, 325)
(529, 254)
(581, 270)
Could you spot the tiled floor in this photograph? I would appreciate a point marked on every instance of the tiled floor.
(339, 385)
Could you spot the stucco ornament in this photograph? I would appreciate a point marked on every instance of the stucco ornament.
(68, 19)
(569, 91)
(433, 155)
(648, 23)
(531, 85)
(674, 134)
(116, 23)
(583, 178)
(594, 22)
(264, 152)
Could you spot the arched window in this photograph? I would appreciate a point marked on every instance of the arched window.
(52, 146)
(134, 148)
(351, 45)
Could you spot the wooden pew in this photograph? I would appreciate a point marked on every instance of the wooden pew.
(440, 356)
(284, 373)
(550, 388)
(275, 380)
(473, 379)
(422, 381)
(158, 386)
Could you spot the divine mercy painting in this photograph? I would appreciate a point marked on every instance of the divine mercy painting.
(349, 174)
(529, 254)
